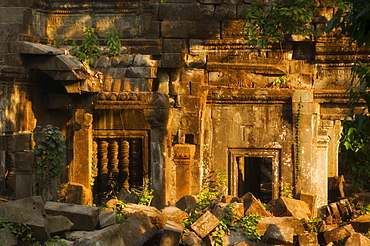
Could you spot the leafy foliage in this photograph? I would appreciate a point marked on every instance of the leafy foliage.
(271, 21)
(112, 39)
(20, 230)
(210, 195)
(145, 193)
(352, 19)
(89, 47)
(355, 139)
(50, 159)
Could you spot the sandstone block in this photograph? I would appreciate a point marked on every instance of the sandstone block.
(235, 237)
(171, 235)
(141, 72)
(230, 199)
(311, 202)
(187, 202)
(174, 214)
(291, 207)
(338, 233)
(111, 235)
(361, 223)
(225, 12)
(107, 218)
(173, 45)
(127, 196)
(171, 60)
(153, 213)
(83, 217)
(175, 29)
(222, 209)
(205, 29)
(278, 234)
(22, 141)
(179, 12)
(7, 237)
(125, 61)
(58, 224)
(357, 239)
(24, 161)
(137, 229)
(144, 61)
(211, 1)
(334, 211)
(292, 222)
(253, 205)
(335, 188)
(74, 235)
(205, 224)
(345, 209)
(89, 242)
(192, 239)
(30, 211)
(308, 239)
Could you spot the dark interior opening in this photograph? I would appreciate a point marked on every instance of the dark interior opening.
(255, 176)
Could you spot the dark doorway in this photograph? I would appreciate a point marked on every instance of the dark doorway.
(254, 175)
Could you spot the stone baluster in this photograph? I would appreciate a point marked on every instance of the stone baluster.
(113, 161)
(103, 168)
(124, 164)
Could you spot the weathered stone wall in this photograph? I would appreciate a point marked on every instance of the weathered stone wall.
(202, 97)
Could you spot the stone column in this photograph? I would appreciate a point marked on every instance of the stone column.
(312, 178)
(80, 169)
(183, 158)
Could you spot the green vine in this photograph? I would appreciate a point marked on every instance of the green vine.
(145, 193)
(112, 39)
(271, 21)
(298, 142)
(50, 159)
(89, 47)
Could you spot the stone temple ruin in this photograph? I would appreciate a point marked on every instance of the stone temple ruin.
(186, 97)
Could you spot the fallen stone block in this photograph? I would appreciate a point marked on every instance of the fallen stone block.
(278, 234)
(338, 233)
(357, 239)
(205, 224)
(345, 209)
(361, 223)
(335, 188)
(89, 242)
(230, 199)
(221, 209)
(174, 214)
(74, 235)
(7, 238)
(58, 224)
(153, 213)
(308, 239)
(333, 210)
(128, 196)
(84, 218)
(311, 202)
(137, 229)
(234, 237)
(29, 211)
(292, 222)
(110, 235)
(192, 239)
(187, 202)
(253, 205)
(291, 207)
(107, 218)
(171, 235)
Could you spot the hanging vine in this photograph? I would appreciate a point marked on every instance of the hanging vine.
(50, 158)
(298, 147)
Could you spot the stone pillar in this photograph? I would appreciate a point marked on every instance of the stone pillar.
(183, 158)
(312, 178)
(80, 169)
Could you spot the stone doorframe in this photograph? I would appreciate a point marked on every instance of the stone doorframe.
(233, 153)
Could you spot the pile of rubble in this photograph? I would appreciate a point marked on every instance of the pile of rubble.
(287, 223)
